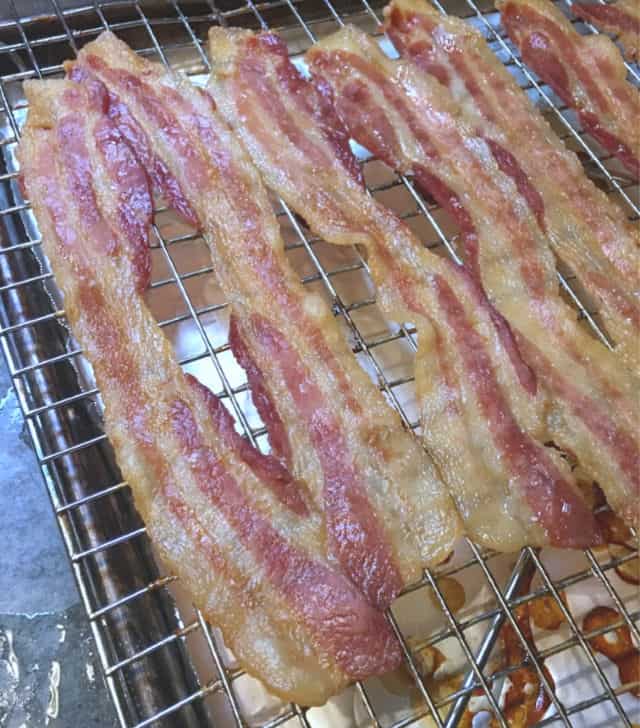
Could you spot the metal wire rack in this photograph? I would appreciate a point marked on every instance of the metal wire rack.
(162, 663)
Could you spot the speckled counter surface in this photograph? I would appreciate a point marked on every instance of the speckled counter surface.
(49, 673)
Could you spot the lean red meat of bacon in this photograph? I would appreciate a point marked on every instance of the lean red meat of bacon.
(411, 121)
(231, 523)
(386, 511)
(621, 18)
(479, 401)
(586, 230)
(586, 72)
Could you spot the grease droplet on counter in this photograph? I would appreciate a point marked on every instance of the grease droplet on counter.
(53, 706)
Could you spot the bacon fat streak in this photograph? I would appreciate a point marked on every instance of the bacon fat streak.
(411, 122)
(386, 511)
(586, 72)
(586, 230)
(482, 409)
(230, 522)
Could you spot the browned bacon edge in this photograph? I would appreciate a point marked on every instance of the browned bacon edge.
(376, 546)
(586, 72)
(587, 231)
(356, 70)
(255, 71)
(175, 443)
(621, 18)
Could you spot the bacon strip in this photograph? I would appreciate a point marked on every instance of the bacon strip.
(252, 559)
(621, 19)
(587, 231)
(411, 122)
(479, 400)
(386, 510)
(586, 72)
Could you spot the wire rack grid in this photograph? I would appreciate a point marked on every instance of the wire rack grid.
(162, 663)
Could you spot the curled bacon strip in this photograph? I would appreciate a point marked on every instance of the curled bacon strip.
(621, 19)
(586, 230)
(479, 400)
(411, 121)
(586, 72)
(386, 510)
(228, 521)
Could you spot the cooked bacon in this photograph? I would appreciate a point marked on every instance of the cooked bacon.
(224, 518)
(386, 511)
(411, 122)
(586, 230)
(586, 72)
(479, 400)
(621, 19)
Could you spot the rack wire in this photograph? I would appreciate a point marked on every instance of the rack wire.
(162, 663)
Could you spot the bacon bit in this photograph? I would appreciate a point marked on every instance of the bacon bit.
(614, 529)
(428, 660)
(526, 701)
(617, 645)
(620, 542)
(628, 571)
(546, 613)
(447, 559)
(400, 682)
(452, 591)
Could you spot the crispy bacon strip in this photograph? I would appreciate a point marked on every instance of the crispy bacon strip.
(479, 399)
(621, 19)
(586, 72)
(586, 230)
(410, 121)
(226, 520)
(386, 510)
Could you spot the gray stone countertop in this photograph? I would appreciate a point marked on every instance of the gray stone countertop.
(49, 672)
